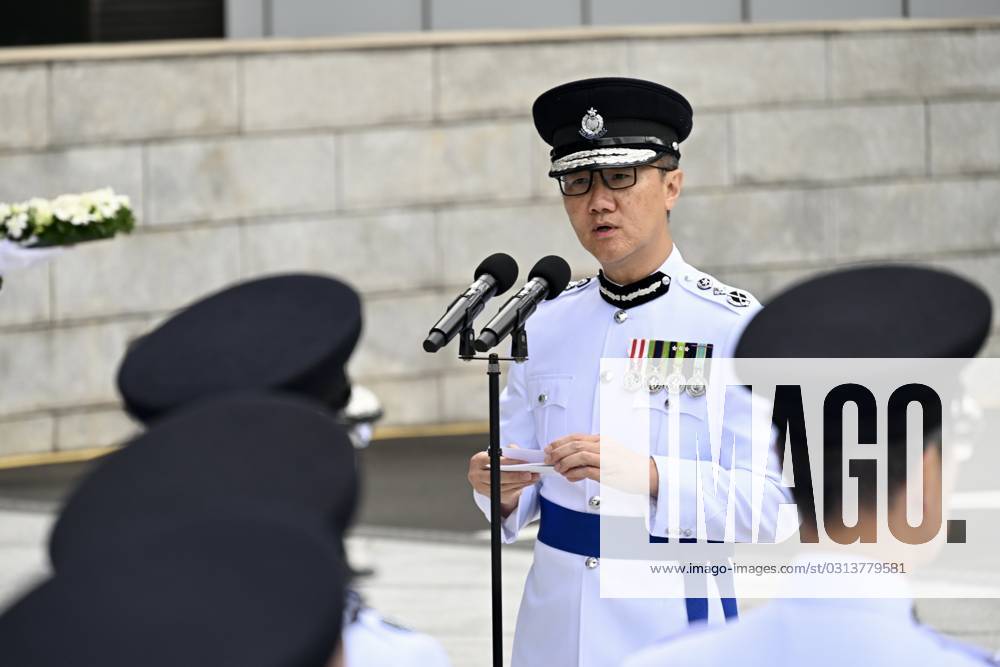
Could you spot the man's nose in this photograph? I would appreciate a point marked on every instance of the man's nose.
(601, 197)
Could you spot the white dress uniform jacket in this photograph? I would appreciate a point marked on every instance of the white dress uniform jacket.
(818, 632)
(562, 621)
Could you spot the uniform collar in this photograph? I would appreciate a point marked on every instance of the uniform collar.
(642, 291)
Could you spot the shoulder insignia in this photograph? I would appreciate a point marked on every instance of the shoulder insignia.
(576, 285)
(712, 289)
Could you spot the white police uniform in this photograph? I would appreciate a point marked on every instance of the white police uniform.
(371, 641)
(820, 632)
(562, 619)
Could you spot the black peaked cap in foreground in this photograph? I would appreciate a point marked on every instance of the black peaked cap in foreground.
(293, 333)
(246, 593)
(222, 456)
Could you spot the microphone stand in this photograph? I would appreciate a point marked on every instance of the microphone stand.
(518, 354)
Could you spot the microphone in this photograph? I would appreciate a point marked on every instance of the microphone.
(548, 278)
(494, 275)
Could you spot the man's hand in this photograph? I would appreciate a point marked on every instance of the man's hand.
(511, 483)
(578, 456)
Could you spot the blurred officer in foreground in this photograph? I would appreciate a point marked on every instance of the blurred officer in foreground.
(615, 158)
(846, 314)
(223, 592)
(249, 401)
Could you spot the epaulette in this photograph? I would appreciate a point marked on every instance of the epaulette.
(708, 287)
(577, 285)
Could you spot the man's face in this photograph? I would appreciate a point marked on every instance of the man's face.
(626, 228)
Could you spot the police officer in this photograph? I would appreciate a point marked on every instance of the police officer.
(846, 314)
(289, 334)
(615, 158)
(244, 590)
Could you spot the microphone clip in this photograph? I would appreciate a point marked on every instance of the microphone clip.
(466, 338)
(519, 344)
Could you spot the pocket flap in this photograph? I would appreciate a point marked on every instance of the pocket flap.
(544, 390)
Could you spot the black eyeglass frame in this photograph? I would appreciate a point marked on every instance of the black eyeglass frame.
(590, 182)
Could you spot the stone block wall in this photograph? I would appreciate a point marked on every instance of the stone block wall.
(398, 163)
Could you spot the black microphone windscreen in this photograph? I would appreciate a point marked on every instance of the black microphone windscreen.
(502, 267)
(555, 271)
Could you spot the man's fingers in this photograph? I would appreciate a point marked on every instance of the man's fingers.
(571, 448)
(505, 477)
(559, 442)
(578, 459)
(583, 472)
(505, 487)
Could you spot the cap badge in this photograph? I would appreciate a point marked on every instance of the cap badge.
(592, 125)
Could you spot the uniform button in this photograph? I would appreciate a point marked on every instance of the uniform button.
(595, 502)
(666, 402)
(591, 563)
(686, 532)
(542, 398)
(621, 316)
(607, 376)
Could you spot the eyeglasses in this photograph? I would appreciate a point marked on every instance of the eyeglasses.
(616, 178)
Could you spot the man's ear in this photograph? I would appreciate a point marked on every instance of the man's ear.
(932, 491)
(672, 186)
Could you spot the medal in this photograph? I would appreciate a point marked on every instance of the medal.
(633, 381)
(654, 379)
(676, 378)
(697, 384)
(633, 378)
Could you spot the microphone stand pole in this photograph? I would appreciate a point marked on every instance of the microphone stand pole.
(519, 353)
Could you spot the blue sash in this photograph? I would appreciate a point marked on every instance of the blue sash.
(580, 533)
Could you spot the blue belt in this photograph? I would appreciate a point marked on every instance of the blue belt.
(580, 533)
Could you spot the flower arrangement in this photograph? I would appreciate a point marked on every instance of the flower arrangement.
(67, 219)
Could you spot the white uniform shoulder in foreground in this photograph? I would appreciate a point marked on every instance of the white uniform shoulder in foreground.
(371, 641)
(820, 633)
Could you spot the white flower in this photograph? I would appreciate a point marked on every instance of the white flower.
(72, 208)
(4, 210)
(17, 225)
(82, 216)
(43, 212)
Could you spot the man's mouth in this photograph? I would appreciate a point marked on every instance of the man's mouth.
(603, 229)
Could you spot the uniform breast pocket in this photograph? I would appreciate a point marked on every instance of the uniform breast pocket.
(549, 399)
(679, 416)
